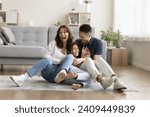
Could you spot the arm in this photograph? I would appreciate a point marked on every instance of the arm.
(51, 47)
(84, 54)
(51, 54)
(98, 50)
(49, 50)
(78, 61)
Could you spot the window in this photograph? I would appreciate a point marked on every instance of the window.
(132, 18)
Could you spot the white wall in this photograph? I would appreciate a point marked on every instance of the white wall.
(139, 54)
(102, 15)
(48, 12)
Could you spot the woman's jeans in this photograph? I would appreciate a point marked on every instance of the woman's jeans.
(50, 70)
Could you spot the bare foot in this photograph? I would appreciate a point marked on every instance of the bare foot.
(72, 75)
(60, 76)
(76, 86)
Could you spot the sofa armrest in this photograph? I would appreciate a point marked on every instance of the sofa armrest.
(104, 50)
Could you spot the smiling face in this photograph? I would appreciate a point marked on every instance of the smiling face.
(63, 34)
(84, 37)
(75, 50)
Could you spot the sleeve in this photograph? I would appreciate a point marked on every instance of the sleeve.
(98, 48)
(51, 47)
(49, 50)
(46, 54)
(49, 53)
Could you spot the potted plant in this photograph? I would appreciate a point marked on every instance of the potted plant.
(110, 35)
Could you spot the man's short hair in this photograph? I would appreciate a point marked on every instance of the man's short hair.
(86, 28)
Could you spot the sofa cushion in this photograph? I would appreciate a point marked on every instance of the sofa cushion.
(8, 35)
(22, 51)
(30, 35)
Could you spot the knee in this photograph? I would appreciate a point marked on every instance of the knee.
(87, 75)
(47, 61)
(100, 58)
(88, 60)
(70, 56)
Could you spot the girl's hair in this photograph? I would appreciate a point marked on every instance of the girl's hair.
(59, 43)
(74, 43)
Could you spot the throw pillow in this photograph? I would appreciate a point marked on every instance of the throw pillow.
(3, 39)
(10, 44)
(8, 34)
(1, 42)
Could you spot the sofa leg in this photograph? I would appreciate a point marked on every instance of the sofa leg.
(2, 67)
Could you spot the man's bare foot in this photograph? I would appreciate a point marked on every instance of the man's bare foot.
(76, 86)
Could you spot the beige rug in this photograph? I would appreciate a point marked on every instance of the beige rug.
(37, 83)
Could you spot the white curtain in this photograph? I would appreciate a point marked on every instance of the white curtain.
(132, 18)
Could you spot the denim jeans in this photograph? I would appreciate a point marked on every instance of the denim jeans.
(50, 70)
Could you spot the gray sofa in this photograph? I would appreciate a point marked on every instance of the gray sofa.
(31, 43)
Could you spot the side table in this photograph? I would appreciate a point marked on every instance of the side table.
(117, 56)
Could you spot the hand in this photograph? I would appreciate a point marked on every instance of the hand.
(77, 61)
(87, 55)
(85, 52)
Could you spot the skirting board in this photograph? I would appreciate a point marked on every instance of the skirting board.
(144, 67)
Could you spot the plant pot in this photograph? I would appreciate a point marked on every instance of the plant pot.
(110, 44)
(117, 44)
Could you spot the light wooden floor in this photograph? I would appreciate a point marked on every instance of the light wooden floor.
(133, 77)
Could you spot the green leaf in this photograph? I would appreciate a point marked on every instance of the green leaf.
(110, 35)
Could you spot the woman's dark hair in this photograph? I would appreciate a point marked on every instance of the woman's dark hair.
(59, 43)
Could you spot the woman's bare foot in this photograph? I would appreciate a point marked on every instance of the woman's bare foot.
(76, 86)
(72, 75)
(60, 76)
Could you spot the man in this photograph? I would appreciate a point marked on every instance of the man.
(93, 46)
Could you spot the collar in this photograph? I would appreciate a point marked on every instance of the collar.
(90, 40)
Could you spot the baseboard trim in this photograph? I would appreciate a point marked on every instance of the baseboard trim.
(144, 67)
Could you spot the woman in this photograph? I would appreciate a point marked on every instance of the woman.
(56, 64)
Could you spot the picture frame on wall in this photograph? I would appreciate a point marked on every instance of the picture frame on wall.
(12, 17)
